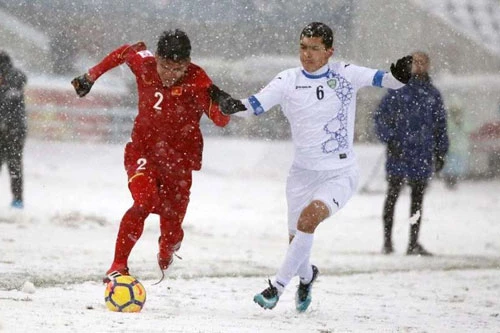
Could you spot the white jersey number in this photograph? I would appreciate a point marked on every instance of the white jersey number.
(157, 105)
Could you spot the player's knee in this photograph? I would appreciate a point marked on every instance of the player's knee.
(307, 225)
(312, 216)
(144, 192)
(140, 210)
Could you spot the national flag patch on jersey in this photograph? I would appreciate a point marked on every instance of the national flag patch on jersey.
(332, 83)
(176, 91)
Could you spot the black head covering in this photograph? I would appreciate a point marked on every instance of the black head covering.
(5, 61)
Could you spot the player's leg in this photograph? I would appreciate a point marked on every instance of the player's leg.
(394, 185)
(129, 232)
(299, 250)
(327, 192)
(297, 254)
(15, 167)
(297, 198)
(145, 193)
(143, 179)
(312, 215)
(335, 189)
(170, 240)
(417, 197)
(175, 193)
(143, 186)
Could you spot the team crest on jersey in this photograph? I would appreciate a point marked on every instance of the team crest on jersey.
(332, 83)
(176, 91)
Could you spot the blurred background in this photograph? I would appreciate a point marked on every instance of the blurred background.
(243, 44)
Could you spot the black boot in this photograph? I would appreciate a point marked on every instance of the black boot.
(417, 250)
(414, 248)
(387, 249)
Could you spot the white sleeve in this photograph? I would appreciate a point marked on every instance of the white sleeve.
(377, 78)
(249, 112)
(389, 81)
(269, 96)
(362, 76)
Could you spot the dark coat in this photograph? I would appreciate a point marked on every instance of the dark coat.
(412, 122)
(12, 107)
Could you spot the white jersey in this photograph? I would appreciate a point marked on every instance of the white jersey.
(320, 108)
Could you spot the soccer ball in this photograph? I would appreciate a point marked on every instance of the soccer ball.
(125, 294)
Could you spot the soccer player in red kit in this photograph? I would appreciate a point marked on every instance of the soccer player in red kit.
(166, 142)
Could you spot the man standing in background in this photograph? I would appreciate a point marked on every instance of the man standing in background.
(411, 121)
(13, 127)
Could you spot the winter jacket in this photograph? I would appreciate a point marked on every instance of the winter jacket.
(12, 107)
(412, 122)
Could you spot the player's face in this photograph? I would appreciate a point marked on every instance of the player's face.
(313, 54)
(420, 64)
(171, 71)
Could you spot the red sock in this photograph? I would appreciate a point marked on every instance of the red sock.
(130, 231)
(171, 237)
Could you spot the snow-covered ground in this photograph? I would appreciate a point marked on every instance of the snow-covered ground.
(235, 238)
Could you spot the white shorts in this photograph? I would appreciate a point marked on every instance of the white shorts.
(332, 187)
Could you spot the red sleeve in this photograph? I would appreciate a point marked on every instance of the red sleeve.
(116, 58)
(216, 115)
(211, 109)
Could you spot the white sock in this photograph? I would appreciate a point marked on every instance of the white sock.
(305, 272)
(298, 252)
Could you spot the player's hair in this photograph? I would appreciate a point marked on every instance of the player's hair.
(5, 62)
(423, 55)
(318, 29)
(4, 58)
(174, 45)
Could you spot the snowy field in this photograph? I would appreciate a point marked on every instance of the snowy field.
(235, 238)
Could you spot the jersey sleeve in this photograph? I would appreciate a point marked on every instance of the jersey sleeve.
(364, 77)
(215, 114)
(210, 108)
(123, 54)
(271, 95)
(440, 132)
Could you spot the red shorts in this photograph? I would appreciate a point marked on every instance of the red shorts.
(158, 190)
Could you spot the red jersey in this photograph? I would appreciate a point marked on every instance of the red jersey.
(167, 126)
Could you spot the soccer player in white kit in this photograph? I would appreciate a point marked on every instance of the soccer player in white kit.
(319, 100)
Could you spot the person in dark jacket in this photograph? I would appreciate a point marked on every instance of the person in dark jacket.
(13, 127)
(411, 121)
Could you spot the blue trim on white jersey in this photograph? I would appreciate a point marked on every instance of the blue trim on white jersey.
(257, 107)
(377, 78)
(319, 76)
